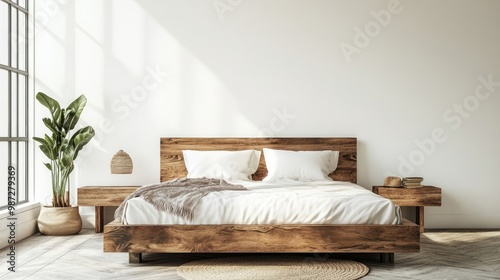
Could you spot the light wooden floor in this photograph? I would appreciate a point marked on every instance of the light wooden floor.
(444, 255)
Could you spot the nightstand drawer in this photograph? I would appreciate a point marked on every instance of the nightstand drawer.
(424, 196)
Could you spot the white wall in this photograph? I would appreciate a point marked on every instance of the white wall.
(206, 68)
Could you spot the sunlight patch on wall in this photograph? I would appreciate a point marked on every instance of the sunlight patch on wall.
(89, 55)
(90, 18)
(201, 103)
(50, 68)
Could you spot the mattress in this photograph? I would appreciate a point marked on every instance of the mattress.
(284, 202)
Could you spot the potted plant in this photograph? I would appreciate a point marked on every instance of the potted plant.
(62, 148)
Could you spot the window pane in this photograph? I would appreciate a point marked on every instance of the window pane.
(23, 128)
(18, 161)
(21, 172)
(3, 173)
(4, 32)
(13, 160)
(4, 104)
(22, 40)
(13, 30)
(13, 101)
(13, 105)
(22, 3)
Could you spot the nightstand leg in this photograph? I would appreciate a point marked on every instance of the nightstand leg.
(420, 218)
(99, 218)
(134, 257)
(387, 257)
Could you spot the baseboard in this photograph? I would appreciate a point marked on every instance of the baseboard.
(459, 230)
(24, 226)
(464, 222)
(88, 220)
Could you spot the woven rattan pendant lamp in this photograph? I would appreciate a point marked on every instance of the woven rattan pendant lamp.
(121, 163)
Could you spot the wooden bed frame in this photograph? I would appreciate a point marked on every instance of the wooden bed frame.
(138, 239)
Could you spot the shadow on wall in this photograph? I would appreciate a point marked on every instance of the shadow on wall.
(284, 60)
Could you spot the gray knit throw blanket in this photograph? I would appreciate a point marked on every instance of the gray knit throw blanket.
(179, 196)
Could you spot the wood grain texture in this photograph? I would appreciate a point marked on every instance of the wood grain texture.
(424, 196)
(419, 197)
(134, 257)
(443, 255)
(99, 218)
(420, 218)
(172, 163)
(100, 196)
(137, 239)
(261, 238)
(103, 195)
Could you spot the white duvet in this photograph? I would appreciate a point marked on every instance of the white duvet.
(284, 202)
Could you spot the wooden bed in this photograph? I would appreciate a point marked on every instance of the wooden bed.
(138, 239)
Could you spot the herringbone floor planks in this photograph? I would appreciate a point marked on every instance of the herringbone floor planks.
(444, 255)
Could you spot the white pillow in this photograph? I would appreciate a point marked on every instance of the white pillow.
(300, 165)
(226, 165)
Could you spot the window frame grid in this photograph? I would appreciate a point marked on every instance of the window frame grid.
(16, 140)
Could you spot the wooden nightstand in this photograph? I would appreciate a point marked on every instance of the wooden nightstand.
(418, 197)
(100, 196)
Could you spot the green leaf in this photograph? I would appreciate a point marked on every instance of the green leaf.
(48, 166)
(50, 125)
(62, 148)
(54, 147)
(77, 107)
(67, 156)
(41, 141)
(59, 121)
(68, 120)
(71, 168)
(81, 138)
(51, 104)
(66, 161)
(47, 151)
(64, 144)
(50, 141)
(45, 147)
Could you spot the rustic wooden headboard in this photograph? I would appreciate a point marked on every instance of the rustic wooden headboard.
(172, 163)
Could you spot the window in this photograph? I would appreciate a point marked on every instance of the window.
(14, 99)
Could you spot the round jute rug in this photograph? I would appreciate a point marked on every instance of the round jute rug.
(271, 267)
